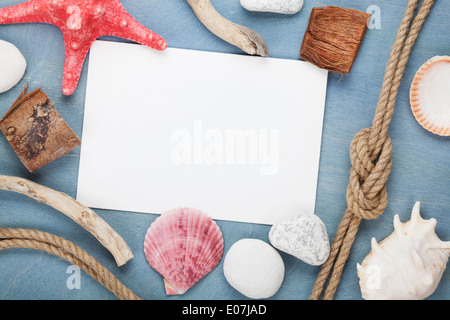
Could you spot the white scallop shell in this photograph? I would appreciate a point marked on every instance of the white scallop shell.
(430, 95)
(408, 264)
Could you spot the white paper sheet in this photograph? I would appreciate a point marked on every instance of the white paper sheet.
(235, 136)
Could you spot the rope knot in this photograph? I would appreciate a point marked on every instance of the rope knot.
(366, 192)
(370, 153)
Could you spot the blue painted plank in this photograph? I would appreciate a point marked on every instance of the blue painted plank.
(420, 170)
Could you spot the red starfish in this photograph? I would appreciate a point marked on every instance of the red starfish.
(81, 22)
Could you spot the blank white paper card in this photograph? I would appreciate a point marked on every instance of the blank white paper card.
(235, 136)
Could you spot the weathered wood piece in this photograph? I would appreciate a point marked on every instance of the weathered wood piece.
(36, 131)
(79, 213)
(242, 37)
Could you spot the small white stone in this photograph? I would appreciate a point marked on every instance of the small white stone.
(254, 268)
(12, 66)
(278, 6)
(304, 237)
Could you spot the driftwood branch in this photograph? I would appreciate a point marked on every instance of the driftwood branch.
(240, 36)
(81, 214)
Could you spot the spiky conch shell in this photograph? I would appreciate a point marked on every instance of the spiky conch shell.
(407, 265)
(430, 95)
(183, 245)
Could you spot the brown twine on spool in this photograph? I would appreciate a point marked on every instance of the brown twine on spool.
(34, 239)
(370, 154)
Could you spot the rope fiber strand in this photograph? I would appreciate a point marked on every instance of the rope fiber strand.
(370, 154)
(34, 239)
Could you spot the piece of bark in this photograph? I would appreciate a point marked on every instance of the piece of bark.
(36, 131)
(333, 38)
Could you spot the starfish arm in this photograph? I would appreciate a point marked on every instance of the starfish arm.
(81, 22)
(120, 23)
(73, 64)
(29, 11)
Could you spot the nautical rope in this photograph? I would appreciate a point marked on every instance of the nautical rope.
(370, 154)
(34, 239)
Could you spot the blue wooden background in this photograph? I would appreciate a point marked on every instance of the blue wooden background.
(421, 160)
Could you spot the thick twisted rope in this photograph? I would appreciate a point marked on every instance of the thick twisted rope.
(33, 239)
(370, 153)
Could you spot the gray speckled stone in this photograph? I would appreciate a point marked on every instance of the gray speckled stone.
(304, 237)
(278, 6)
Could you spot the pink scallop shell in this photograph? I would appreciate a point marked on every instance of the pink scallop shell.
(183, 245)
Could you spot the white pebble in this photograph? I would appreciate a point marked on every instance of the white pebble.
(254, 268)
(12, 66)
(277, 6)
(304, 237)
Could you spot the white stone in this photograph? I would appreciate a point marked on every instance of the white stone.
(304, 237)
(278, 6)
(12, 66)
(254, 268)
